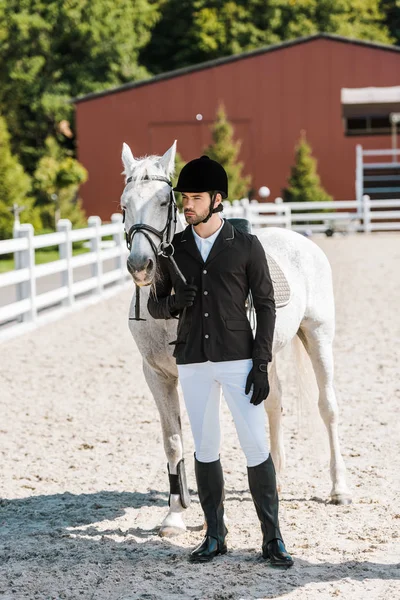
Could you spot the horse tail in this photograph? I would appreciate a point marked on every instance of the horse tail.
(309, 424)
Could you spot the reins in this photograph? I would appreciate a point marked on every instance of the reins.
(165, 236)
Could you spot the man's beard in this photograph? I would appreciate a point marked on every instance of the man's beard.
(196, 219)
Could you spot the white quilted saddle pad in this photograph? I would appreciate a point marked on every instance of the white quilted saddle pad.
(281, 286)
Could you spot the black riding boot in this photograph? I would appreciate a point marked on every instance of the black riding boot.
(262, 483)
(210, 485)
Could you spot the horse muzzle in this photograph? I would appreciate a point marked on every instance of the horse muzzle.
(142, 270)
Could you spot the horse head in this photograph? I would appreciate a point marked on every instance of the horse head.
(149, 210)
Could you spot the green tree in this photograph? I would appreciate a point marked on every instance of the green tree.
(391, 11)
(52, 50)
(225, 150)
(304, 182)
(56, 183)
(209, 29)
(15, 188)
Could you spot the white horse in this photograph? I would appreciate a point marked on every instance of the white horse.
(146, 200)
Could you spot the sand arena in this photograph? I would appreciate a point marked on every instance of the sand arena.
(83, 474)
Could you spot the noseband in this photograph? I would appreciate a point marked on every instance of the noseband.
(165, 236)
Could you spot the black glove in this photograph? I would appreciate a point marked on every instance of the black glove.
(258, 377)
(185, 294)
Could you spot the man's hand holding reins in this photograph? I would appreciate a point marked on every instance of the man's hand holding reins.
(185, 294)
(258, 377)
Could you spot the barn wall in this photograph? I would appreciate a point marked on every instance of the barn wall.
(269, 98)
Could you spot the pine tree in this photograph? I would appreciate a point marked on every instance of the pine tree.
(225, 150)
(15, 187)
(304, 181)
(59, 175)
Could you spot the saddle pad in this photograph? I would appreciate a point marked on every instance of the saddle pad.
(281, 287)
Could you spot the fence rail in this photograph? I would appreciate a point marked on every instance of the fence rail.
(26, 303)
(314, 217)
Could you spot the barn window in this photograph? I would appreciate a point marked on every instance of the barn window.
(366, 111)
(368, 125)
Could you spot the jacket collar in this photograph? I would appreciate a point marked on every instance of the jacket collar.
(222, 242)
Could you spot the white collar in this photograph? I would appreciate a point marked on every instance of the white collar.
(211, 238)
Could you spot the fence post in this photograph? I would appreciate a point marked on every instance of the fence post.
(118, 238)
(367, 213)
(244, 202)
(65, 250)
(254, 215)
(359, 179)
(95, 246)
(227, 208)
(26, 260)
(19, 288)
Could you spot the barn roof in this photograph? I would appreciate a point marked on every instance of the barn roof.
(235, 57)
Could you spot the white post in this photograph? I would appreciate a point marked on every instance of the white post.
(95, 246)
(26, 260)
(19, 289)
(359, 179)
(65, 250)
(288, 216)
(227, 208)
(367, 213)
(245, 207)
(120, 261)
(280, 209)
(237, 209)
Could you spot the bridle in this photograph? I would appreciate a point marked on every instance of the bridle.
(166, 234)
(165, 248)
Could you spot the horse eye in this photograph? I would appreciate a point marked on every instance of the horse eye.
(123, 215)
(165, 203)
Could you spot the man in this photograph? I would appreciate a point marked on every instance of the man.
(215, 349)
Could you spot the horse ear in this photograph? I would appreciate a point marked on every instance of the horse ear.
(167, 161)
(127, 158)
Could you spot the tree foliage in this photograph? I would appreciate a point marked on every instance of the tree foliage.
(225, 150)
(56, 183)
(193, 31)
(304, 182)
(391, 12)
(51, 50)
(15, 188)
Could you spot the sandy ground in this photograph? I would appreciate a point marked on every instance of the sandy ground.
(83, 482)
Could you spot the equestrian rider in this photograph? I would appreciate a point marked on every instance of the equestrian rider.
(215, 349)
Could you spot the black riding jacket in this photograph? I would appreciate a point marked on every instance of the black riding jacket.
(216, 327)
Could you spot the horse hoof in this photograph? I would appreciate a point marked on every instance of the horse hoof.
(341, 499)
(171, 531)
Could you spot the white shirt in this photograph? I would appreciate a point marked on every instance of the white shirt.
(205, 244)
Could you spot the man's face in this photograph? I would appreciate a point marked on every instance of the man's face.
(196, 206)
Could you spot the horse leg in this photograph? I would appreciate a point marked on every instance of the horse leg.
(274, 410)
(317, 339)
(164, 391)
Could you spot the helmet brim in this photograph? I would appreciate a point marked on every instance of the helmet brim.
(193, 190)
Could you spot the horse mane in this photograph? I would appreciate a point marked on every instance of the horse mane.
(145, 166)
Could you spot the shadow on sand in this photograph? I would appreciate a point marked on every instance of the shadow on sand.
(39, 558)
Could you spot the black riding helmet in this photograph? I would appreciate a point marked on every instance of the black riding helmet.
(202, 175)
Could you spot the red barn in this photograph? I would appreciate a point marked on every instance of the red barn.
(269, 94)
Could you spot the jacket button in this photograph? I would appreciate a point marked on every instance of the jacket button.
(206, 336)
(206, 314)
(205, 271)
(206, 293)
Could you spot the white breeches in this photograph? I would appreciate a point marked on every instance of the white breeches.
(201, 385)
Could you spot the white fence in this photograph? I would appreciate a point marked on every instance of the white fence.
(327, 217)
(25, 303)
(24, 277)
